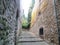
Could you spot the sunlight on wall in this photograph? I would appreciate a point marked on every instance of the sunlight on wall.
(34, 12)
(43, 5)
(38, 8)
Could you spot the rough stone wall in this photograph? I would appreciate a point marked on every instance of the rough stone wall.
(47, 20)
(57, 6)
(8, 11)
(50, 24)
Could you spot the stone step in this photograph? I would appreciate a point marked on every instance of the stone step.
(30, 40)
(27, 37)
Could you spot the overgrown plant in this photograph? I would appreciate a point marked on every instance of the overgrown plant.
(4, 28)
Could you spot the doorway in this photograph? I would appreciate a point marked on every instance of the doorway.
(41, 31)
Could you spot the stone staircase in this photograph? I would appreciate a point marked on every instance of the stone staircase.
(29, 39)
(26, 38)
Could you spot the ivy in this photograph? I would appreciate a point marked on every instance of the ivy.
(3, 29)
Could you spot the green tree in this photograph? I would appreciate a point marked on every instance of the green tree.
(24, 22)
(30, 11)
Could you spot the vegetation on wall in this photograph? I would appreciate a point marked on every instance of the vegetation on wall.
(26, 21)
(3, 31)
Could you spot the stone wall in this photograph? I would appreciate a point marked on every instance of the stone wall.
(57, 7)
(47, 20)
(8, 13)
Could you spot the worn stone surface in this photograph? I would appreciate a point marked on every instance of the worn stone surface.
(8, 10)
(58, 17)
(47, 19)
(29, 38)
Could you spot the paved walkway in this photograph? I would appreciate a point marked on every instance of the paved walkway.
(28, 38)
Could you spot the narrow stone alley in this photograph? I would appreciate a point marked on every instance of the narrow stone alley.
(28, 38)
(29, 22)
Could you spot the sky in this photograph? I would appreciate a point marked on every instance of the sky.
(25, 5)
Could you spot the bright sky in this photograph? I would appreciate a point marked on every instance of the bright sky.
(25, 6)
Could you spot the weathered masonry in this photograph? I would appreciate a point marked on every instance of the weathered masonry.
(57, 9)
(9, 17)
(48, 17)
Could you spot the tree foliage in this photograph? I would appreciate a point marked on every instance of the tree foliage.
(24, 22)
(30, 11)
